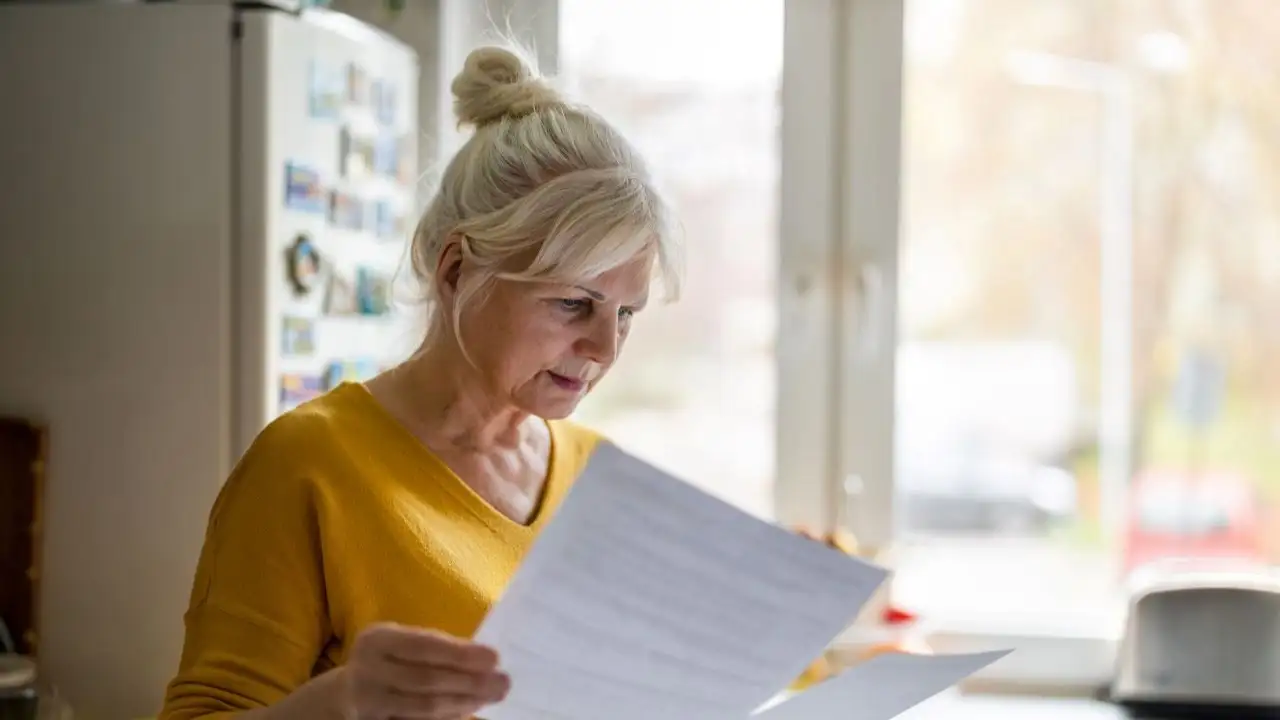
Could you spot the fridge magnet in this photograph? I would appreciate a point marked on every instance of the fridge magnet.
(357, 85)
(355, 154)
(358, 370)
(340, 295)
(386, 156)
(302, 189)
(362, 150)
(344, 152)
(303, 263)
(383, 97)
(373, 291)
(346, 211)
(298, 336)
(296, 389)
(324, 91)
(344, 149)
(387, 223)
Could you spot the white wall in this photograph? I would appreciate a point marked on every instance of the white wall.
(115, 323)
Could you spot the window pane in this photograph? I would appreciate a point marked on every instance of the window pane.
(694, 389)
(1089, 375)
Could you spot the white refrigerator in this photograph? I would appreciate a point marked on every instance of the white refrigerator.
(203, 208)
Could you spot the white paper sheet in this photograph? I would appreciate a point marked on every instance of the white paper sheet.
(647, 598)
(881, 688)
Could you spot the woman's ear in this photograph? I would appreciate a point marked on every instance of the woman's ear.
(449, 267)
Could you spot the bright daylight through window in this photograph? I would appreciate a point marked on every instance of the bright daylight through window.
(1089, 367)
(1088, 359)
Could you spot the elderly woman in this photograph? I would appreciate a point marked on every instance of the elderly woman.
(364, 535)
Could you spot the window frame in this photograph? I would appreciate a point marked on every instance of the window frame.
(837, 384)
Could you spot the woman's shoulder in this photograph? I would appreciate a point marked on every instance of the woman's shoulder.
(300, 432)
(310, 457)
(316, 419)
(296, 444)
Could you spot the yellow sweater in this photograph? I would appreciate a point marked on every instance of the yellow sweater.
(335, 518)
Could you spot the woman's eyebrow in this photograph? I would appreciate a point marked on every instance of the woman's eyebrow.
(598, 297)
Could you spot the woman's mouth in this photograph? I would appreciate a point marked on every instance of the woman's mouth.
(565, 382)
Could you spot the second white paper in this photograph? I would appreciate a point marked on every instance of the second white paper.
(881, 688)
(647, 598)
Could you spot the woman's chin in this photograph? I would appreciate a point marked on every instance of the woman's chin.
(552, 408)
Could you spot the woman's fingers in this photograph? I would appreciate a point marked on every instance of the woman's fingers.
(427, 679)
(436, 707)
(428, 647)
(403, 672)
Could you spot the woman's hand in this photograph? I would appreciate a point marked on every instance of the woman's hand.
(401, 672)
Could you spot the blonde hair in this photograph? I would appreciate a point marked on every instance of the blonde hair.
(543, 190)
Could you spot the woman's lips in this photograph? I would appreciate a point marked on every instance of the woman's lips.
(567, 383)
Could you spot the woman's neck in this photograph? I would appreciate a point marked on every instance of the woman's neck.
(446, 400)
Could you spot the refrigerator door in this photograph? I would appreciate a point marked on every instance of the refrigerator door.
(327, 134)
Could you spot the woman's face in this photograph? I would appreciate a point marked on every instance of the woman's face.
(543, 347)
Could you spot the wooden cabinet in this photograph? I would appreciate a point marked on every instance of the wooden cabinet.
(23, 454)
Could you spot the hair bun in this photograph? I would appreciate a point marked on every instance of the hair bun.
(496, 83)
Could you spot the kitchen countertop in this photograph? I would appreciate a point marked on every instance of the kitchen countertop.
(994, 707)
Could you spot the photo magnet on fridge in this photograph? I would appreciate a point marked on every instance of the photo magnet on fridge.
(303, 190)
(357, 85)
(340, 294)
(356, 154)
(324, 91)
(384, 101)
(344, 150)
(346, 211)
(298, 336)
(296, 389)
(373, 291)
(386, 221)
(358, 370)
(303, 263)
(386, 156)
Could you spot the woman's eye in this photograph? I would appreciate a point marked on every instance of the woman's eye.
(625, 313)
(573, 304)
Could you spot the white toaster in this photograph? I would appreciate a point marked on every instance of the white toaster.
(1202, 640)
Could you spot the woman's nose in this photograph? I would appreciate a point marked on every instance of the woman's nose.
(600, 345)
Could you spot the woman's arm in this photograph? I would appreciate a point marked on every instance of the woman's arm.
(258, 618)
(235, 668)
(321, 698)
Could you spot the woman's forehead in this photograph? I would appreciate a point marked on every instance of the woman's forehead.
(625, 283)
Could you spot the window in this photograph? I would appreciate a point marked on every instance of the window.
(990, 282)
(1085, 381)
(694, 390)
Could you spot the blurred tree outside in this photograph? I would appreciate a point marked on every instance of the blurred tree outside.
(1001, 182)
